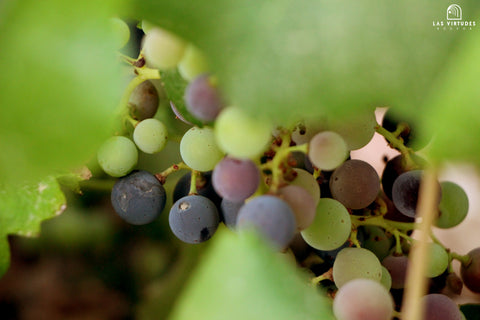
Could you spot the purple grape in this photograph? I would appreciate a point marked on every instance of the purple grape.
(138, 198)
(470, 272)
(397, 267)
(202, 99)
(229, 211)
(235, 179)
(193, 219)
(271, 217)
(440, 307)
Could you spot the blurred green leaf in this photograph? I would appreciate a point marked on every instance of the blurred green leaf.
(240, 277)
(60, 83)
(285, 59)
(453, 111)
(22, 209)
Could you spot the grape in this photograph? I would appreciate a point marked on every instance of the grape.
(357, 131)
(199, 150)
(470, 272)
(307, 181)
(193, 219)
(453, 206)
(202, 98)
(392, 212)
(235, 179)
(355, 184)
(203, 184)
(150, 135)
(397, 267)
(271, 217)
(440, 307)
(354, 263)
(117, 156)
(327, 150)
(162, 49)
(240, 135)
(386, 279)
(331, 226)
(363, 299)
(192, 64)
(438, 260)
(411, 135)
(147, 26)
(138, 198)
(453, 283)
(395, 167)
(405, 192)
(143, 101)
(302, 204)
(121, 32)
(229, 212)
(377, 241)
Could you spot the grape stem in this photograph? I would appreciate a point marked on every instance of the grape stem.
(193, 182)
(328, 275)
(396, 142)
(162, 176)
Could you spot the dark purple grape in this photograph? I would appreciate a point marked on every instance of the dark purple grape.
(235, 179)
(144, 101)
(138, 198)
(193, 219)
(440, 307)
(355, 184)
(405, 192)
(204, 187)
(395, 167)
(397, 267)
(229, 211)
(202, 98)
(470, 272)
(269, 216)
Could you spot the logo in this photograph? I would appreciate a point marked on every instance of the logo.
(454, 20)
(454, 12)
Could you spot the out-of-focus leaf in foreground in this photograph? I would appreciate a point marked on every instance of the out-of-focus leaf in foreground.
(60, 82)
(240, 277)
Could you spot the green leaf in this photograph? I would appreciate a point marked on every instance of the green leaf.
(60, 83)
(453, 111)
(471, 311)
(285, 59)
(22, 209)
(242, 278)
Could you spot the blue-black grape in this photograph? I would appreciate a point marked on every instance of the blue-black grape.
(193, 219)
(395, 167)
(229, 211)
(138, 198)
(204, 187)
(271, 217)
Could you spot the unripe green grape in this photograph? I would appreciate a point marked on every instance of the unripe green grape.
(438, 260)
(162, 49)
(386, 279)
(150, 135)
(240, 135)
(453, 207)
(327, 150)
(354, 263)
(193, 63)
(117, 156)
(199, 150)
(121, 32)
(331, 226)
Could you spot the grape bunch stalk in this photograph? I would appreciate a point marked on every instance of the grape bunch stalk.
(295, 185)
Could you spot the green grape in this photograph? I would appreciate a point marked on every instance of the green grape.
(354, 263)
(150, 135)
(377, 241)
(199, 150)
(331, 226)
(121, 32)
(357, 131)
(438, 260)
(327, 150)
(453, 206)
(305, 180)
(386, 279)
(240, 135)
(117, 156)
(147, 26)
(162, 49)
(193, 63)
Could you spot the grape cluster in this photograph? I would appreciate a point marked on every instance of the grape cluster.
(296, 186)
